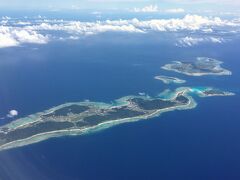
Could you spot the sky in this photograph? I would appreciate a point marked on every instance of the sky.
(122, 5)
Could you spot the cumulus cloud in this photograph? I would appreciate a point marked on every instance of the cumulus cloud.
(189, 41)
(12, 36)
(24, 36)
(216, 40)
(38, 30)
(189, 22)
(12, 113)
(88, 27)
(192, 41)
(6, 40)
(23, 23)
(150, 8)
(177, 10)
(155, 8)
(6, 18)
(208, 30)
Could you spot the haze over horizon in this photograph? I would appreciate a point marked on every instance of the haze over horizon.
(149, 6)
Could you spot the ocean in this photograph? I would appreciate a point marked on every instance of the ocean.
(201, 143)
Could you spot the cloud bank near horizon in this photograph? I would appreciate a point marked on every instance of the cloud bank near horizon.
(210, 7)
(154, 8)
(189, 41)
(42, 30)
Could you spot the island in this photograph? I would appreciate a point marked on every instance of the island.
(169, 80)
(85, 117)
(210, 91)
(200, 67)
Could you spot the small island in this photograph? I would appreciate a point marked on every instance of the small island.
(169, 80)
(84, 117)
(200, 67)
(209, 91)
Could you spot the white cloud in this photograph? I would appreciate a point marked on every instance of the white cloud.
(23, 23)
(73, 37)
(150, 8)
(24, 36)
(6, 18)
(96, 13)
(3, 22)
(216, 40)
(189, 41)
(13, 36)
(177, 10)
(39, 17)
(12, 113)
(208, 30)
(155, 8)
(189, 22)
(6, 40)
(192, 41)
(77, 27)
(37, 30)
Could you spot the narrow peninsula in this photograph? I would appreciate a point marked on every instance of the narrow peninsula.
(200, 67)
(84, 117)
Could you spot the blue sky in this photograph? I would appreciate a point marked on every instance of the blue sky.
(193, 5)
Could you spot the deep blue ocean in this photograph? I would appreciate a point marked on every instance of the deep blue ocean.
(198, 144)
